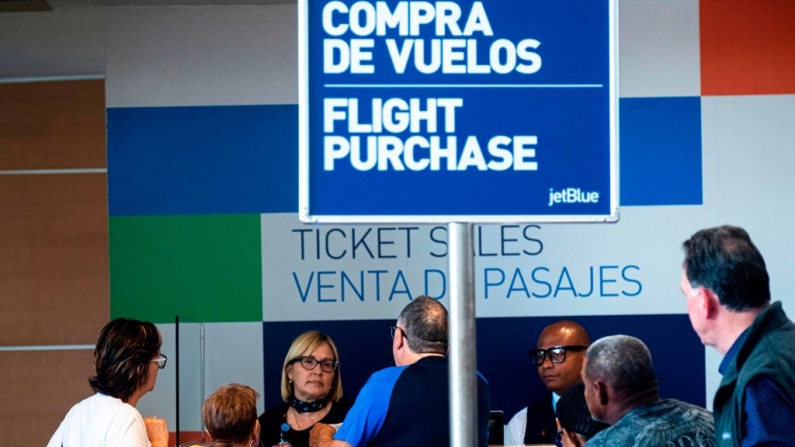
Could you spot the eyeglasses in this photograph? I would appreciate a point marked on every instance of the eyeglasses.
(394, 329)
(160, 360)
(309, 362)
(556, 354)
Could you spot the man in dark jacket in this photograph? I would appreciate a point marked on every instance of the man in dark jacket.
(726, 283)
(558, 360)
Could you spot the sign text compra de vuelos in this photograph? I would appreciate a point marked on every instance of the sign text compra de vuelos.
(373, 136)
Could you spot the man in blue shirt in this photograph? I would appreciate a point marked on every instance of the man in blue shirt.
(408, 404)
(726, 283)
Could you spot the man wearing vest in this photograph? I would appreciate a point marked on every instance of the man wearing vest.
(726, 283)
(558, 359)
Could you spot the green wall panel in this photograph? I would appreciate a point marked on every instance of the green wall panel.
(202, 268)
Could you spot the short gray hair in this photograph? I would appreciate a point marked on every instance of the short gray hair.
(425, 321)
(621, 361)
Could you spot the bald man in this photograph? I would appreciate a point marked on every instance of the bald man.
(558, 358)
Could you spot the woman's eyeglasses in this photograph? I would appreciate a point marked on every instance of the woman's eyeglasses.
(160, 360)
(309, 362)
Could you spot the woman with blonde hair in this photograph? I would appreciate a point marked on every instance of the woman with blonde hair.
(311, 390)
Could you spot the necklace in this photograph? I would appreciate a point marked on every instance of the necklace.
(308, 418)
(295, 419)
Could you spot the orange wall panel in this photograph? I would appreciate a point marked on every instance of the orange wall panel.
(54, 274)
(747, 47)
(52, 125)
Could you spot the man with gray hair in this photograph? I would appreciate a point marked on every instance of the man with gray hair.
(408, 404)
(621, 390)
(727, 287)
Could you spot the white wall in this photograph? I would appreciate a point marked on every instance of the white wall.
(236, 55)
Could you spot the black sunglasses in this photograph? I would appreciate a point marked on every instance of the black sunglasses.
(556, 354)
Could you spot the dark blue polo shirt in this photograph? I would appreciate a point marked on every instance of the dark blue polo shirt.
(408, 405)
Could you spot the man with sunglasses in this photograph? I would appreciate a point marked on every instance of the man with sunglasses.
(558, 358)
(407, 405)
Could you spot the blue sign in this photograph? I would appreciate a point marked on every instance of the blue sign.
(458, 111)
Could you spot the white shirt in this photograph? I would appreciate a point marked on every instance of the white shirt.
(101, 421)
(514, 431)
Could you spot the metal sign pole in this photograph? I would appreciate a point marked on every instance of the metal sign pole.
(463, 353)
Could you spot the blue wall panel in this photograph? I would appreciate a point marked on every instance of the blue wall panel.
(660, 140)
(202, 160)
(244, 159)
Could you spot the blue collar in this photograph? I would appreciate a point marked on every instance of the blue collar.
(732, 352)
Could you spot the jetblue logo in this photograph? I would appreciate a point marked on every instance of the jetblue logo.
(572, 195)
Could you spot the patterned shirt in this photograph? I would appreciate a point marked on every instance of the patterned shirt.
(662, 423)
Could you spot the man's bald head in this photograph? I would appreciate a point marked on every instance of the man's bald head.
(558, 377)
(572, 331)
